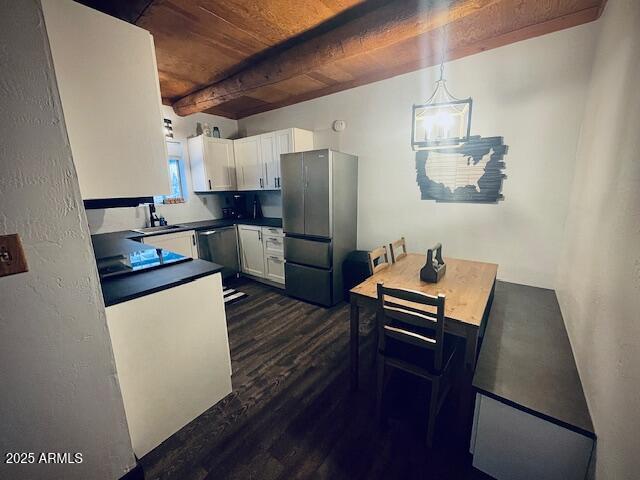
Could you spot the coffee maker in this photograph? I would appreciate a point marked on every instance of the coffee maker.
(236, 207)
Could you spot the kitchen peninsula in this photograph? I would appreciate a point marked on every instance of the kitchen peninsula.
(169, 336)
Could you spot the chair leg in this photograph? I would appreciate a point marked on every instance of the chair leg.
(433, 411)
(376, 334)
(381, 372)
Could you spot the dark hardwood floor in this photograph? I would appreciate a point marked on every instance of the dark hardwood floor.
(292, 415)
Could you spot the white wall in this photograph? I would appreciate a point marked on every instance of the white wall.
(531, 92)
(59, 387)
(197, 207)
(599, 272)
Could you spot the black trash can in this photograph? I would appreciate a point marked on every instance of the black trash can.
(355, 270)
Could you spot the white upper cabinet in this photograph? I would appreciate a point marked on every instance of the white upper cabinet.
(270, 160)
(108, 82)
(249, 168)
(258, 157)
(212, 163)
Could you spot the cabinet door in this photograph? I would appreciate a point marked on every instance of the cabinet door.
(220, 164)
(108, 81)
(274, 266)
(284, 144)
(317, 206)
(302, 140)
(251, 251)
(249, 168)
(284, 139)
(270, 159)
(197, 166)
(183, 243)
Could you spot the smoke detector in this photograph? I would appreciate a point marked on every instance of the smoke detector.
(339, 125)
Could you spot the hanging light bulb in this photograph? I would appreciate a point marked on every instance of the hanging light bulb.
(443, 120)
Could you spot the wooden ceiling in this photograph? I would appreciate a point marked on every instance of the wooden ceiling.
(236, 58)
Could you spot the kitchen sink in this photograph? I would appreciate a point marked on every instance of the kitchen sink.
(161, 228)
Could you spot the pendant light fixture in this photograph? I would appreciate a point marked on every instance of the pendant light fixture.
(444, 120)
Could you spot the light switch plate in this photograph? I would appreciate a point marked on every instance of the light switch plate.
(12, 259)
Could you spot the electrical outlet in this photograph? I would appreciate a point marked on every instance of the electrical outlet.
(12, 259)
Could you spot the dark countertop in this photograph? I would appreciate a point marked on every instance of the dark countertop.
(116, 243)
(126, 241)
(127, 287)
(526, 358)
(227, 222)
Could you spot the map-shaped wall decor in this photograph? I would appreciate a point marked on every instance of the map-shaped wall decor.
(471, 172)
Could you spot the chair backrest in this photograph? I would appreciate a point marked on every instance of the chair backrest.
(395, 248)
(399, 310)
(378, 259)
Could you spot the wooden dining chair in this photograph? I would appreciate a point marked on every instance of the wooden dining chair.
(394, 248)
(413, 340)
(378, 259)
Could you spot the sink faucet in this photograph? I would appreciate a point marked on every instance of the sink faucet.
(153, 218)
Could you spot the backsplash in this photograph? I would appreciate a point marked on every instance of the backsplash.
(271, 203)
(198, 207)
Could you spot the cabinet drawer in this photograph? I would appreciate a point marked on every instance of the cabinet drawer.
(273, 245)
(272, 231)
(274, 265)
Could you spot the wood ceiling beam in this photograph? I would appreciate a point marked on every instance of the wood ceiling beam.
(431, 57)
(399, 20)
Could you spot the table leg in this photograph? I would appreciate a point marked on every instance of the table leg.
(471, 347)
(354, 342)
(466, 399)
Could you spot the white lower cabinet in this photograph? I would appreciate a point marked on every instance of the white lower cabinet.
(510, 444)
(262, 252)
(251, 250)
(183, 243)
(274, 268)
(172, 357)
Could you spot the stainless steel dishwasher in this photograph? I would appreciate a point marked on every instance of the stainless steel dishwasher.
(220, 245)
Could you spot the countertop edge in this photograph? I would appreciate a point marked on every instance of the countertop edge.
(158, 288)
(536, 413)
(520, 314)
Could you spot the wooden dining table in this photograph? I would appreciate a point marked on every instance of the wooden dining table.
(468, 287)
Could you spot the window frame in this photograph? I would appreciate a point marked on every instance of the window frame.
(178, 159)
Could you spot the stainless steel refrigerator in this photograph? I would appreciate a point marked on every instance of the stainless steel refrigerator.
(319, 218)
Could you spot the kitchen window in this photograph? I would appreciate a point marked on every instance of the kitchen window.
(177, 177)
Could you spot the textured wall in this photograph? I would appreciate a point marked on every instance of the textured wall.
(59, 387)
(197, 207)
(599, 276)
(530, 92)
